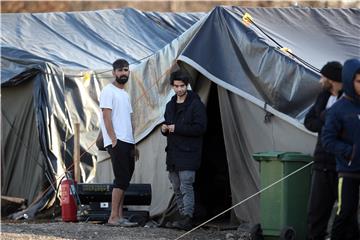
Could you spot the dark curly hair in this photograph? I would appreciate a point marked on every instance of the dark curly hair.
(179, 75)
(120, 63)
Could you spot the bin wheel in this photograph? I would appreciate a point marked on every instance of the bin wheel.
(287, 233)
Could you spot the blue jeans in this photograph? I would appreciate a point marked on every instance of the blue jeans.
(182, 182)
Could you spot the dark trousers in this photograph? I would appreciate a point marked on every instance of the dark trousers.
(345, 225)
(123, 163)
(323, 194)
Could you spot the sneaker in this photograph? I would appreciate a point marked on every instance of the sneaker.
(183, 224)
(123, 222)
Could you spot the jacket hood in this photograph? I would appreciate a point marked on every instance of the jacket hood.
(348, 73)
(189, 98)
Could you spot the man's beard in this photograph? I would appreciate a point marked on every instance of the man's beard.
(327, 86)
(181, 94)
(122, 79)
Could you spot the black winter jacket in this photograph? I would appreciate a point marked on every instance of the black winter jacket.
(184, 145)
(314, 121)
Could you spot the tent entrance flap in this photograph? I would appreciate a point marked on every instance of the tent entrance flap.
(212, 186)
(22, 161)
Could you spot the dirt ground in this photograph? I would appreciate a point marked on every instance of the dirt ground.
(57, 230)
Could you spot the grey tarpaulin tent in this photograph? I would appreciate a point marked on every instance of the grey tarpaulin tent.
(237, 67)
(48, 77)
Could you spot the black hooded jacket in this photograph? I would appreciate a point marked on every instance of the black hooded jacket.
(314, 121)
(184, 145)
(341, 131)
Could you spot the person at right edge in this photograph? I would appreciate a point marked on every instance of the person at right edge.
(185, 123)
(323, 192)
(341, 136)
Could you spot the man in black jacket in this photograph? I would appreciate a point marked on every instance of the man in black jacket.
(323, 191)
(184, 126)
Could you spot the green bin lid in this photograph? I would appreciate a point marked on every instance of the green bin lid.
(282, 156)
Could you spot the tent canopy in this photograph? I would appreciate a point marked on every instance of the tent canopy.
(66, 58)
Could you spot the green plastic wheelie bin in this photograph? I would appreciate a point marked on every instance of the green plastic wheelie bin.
(283, 207)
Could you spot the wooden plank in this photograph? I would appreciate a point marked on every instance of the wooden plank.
(5, 200)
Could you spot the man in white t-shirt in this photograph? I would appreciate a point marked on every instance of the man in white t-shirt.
(117, 129)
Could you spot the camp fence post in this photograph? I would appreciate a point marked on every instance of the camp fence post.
(76, 156)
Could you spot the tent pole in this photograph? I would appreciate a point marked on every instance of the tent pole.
(76, 156)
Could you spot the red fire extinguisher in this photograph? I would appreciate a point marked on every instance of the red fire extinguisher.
(68, 200)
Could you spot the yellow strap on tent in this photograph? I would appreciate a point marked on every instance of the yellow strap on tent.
(87, 76)
(286, 50)
(247, 19)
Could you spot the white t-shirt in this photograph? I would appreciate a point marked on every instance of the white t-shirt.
(118, 101)
(331, 101)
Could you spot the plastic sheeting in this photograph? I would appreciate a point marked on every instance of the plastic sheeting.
(243, 59)
(69, 56)
(17, 133)
(245, 133)
(90, 40)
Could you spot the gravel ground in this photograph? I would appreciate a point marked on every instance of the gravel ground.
(82, 231)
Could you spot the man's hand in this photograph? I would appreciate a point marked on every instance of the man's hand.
(171, 128)
(164, 128)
